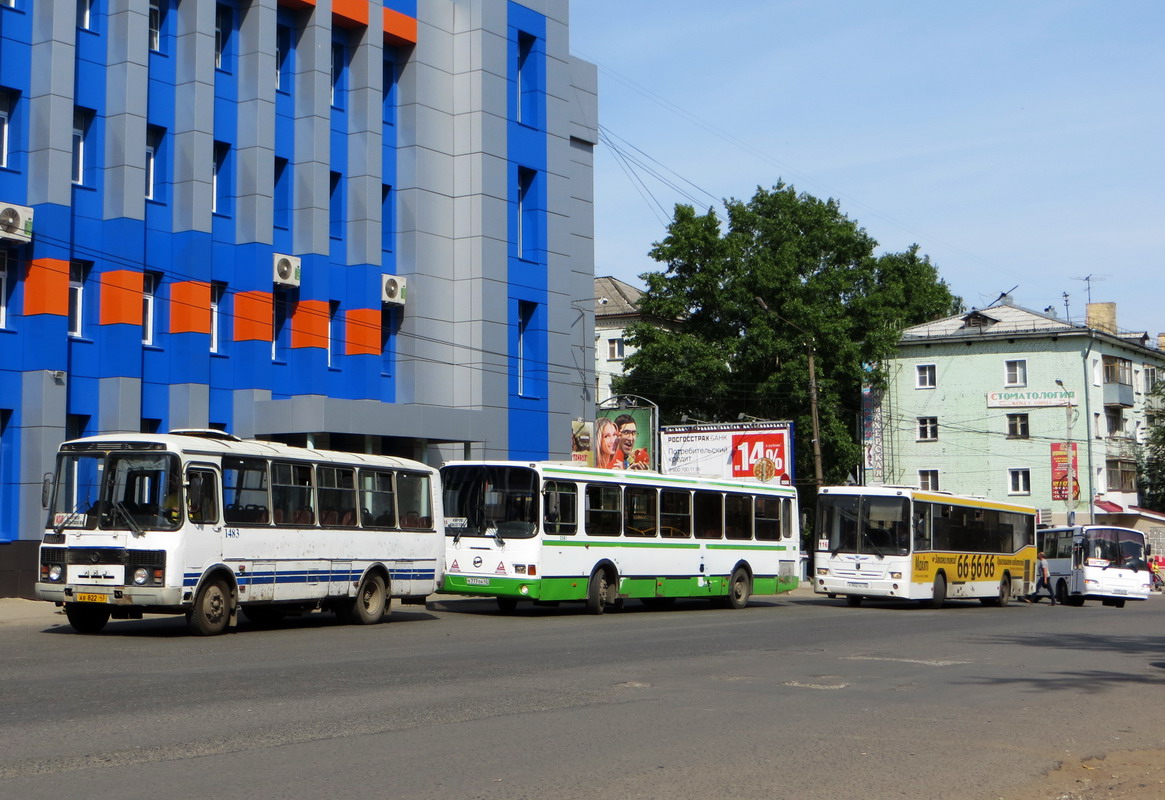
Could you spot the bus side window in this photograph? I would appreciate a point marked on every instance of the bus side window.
(922, 525)
(560, 508)
(202, 496)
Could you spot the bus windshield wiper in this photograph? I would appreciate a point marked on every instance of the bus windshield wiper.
(129, 521)
(870, 540)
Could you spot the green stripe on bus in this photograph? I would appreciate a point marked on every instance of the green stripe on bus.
(553, 590)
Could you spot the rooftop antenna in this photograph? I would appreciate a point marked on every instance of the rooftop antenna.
(1067, 314)
(1088, 279)
(1002, 295)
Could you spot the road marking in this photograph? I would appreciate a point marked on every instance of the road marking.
(930, 662)
(799, 685)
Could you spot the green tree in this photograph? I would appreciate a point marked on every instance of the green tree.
(816, 272)
(1151, 458)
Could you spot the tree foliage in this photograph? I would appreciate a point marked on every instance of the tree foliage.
(824, 288)
(1151, 469)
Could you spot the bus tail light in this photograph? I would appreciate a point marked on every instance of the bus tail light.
(531, 570)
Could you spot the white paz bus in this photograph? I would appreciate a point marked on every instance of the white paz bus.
(1096, 562)
(889, 542)
(204, 524)
(554, 533)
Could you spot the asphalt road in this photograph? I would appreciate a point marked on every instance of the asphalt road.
(797, 697)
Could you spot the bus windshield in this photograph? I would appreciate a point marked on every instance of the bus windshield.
(1112, 547)
(855, 524)
(137, 491)
(496, 501)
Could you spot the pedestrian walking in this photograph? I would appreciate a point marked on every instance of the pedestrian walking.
(1043, 580)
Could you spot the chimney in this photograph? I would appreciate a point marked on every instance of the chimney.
(1101, 317)
(1161, 341)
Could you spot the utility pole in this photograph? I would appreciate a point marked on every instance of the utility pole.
(818, 475)
(1070, 492)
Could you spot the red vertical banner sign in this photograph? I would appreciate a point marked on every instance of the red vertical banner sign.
(1060, 472)
(761, 455)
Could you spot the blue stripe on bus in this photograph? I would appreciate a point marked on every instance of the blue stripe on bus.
(190, 579)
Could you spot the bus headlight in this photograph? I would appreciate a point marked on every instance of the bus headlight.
(897, 576)
(54, 573)
(822, 570)
(140, 576)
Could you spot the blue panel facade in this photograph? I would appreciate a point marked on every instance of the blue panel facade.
(166, 177)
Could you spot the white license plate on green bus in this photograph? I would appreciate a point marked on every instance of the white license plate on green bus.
(84, 597)
(477, 581)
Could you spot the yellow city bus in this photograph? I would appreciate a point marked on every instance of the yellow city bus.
(903, 543)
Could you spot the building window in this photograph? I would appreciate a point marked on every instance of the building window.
(525, 211)
(155, 37)
(224, 22)
(150, 281)
(1015, 373)
(336, 206)
(1122, 475)
(339, 62)
(220, 179)
(4, 259)
(927, 429)
(1150, 377)
(335, 334)
(78, 272)
(1020, 481)
(525, 330)
(5, 124)
(280, 312)
(1017, 426)
(928, 479)
(283, 58)
(1114, 422)
(281, 205)
(85, 14)
(389, 95)
(1118, 370)
(387, 219)
(217, 294)
(924, 377)
(153, 146)
(388, 322)
(526, 82)
(81, 124)
(615, 349)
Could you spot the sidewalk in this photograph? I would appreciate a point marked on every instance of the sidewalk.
(14, 609)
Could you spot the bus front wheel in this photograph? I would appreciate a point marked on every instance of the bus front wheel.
(598, 592)
(1004, 591)
(939, 595)
(212, 609)
(87, 617)
(854, 600)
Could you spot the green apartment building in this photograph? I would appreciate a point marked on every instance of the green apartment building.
(1014, 404)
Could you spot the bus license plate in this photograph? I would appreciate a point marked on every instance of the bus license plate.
(477, 581)
(91, 598)
(857, 584)
(1120, 591)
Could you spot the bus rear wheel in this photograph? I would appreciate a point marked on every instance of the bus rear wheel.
(371, 601)
(1004, 592)
(739, 589)
(506, 605)
(598, 592)
(212, 609)
(87, 617)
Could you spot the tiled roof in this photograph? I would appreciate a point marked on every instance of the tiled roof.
(1003, 318)
(613, 297)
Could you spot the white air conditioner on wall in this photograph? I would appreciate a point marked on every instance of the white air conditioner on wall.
(393, 290)
(285, 270)
(15, 222)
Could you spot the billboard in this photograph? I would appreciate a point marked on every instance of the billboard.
(580, 443)
(760, 451)
(1060, 472)
(622, 438)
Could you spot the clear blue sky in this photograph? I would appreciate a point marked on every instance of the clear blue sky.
(1018, 142)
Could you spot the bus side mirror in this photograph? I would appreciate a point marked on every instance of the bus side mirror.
(46, 490)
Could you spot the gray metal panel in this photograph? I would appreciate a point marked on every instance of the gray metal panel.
(51, 103)
(189, 405)
(119, 405)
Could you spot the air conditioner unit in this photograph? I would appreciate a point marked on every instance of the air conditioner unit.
(285, 270)
(393, 290)
(15, 222)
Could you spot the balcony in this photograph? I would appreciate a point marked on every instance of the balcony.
(1123, 448)
(1118, 394)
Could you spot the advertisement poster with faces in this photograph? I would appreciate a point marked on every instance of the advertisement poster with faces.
(622, 439)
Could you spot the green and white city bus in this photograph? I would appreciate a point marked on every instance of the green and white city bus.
(553, 532)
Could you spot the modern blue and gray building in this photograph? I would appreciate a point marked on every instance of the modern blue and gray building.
(356, 224)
